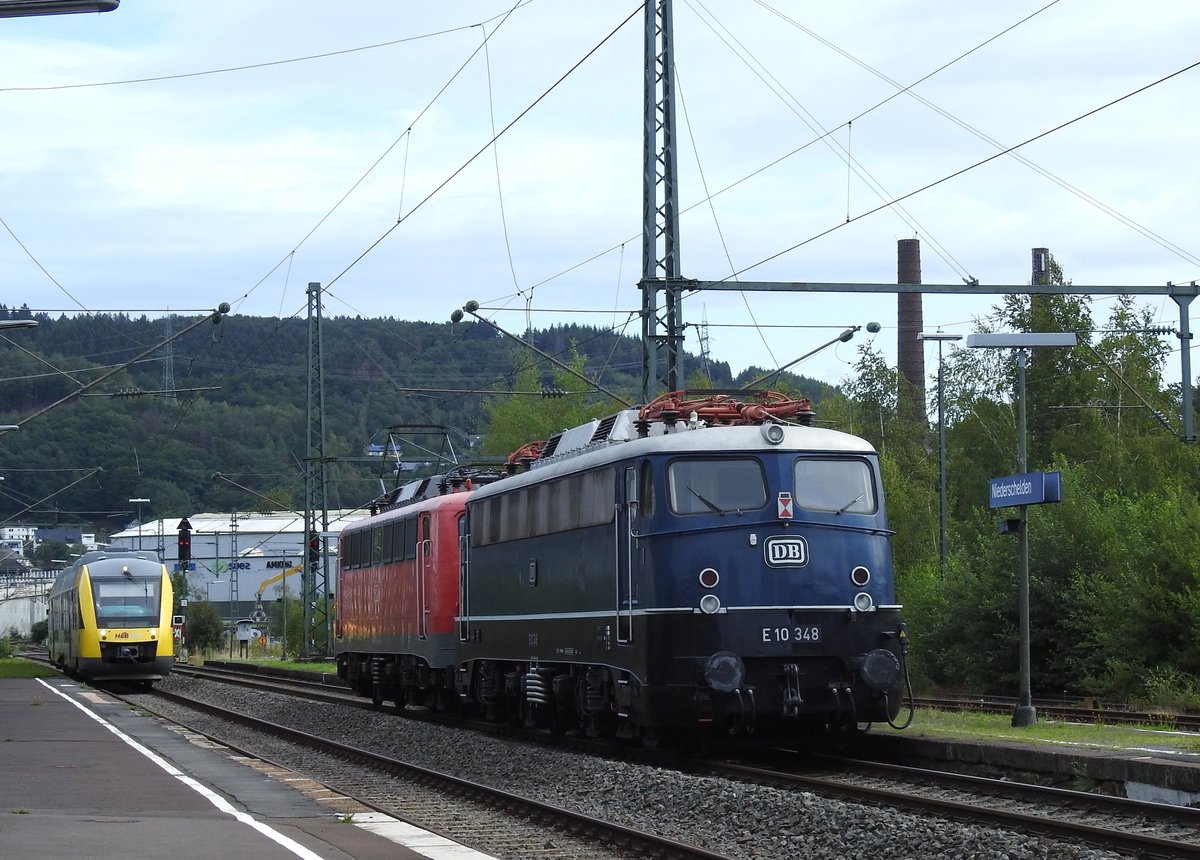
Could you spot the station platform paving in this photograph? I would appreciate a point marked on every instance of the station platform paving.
(83, 776)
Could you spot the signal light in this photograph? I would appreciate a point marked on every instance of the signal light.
(184, 544)
(314, 550)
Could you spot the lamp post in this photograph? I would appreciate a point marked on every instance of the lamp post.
(1024, 714)
(139, 503)
(941, 338)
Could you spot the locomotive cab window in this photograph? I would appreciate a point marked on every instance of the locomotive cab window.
(840, 486)
(126, 602)
(718, 486)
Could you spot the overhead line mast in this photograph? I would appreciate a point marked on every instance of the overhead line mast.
(316, 509)
(661, 353)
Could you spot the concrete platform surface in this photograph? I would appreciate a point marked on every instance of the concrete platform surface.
(82, 776)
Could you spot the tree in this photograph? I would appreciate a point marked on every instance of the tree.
(542, 402)
(48, 551)
(205, 628)
(1113, 597)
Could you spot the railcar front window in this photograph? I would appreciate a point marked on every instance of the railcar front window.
(840, 486)
(716, 486)
(126, 602)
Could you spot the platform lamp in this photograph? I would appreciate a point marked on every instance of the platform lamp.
(1024, 714)
(941, 338)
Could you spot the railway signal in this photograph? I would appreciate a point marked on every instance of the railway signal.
(184, 544)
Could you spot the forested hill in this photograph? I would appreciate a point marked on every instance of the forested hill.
(239, 404)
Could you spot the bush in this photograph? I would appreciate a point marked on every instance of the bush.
(39, 632)
(1167, 687)
(6, 648)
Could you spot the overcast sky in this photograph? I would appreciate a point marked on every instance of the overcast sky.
(279, 142)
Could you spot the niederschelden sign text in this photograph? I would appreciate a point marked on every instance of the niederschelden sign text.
(1032, 488)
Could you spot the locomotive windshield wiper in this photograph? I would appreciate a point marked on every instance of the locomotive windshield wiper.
(846, 506)
(707, 503)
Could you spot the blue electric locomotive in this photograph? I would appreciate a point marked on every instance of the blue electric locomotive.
(695, 564)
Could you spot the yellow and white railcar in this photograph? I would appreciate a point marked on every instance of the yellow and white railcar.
(110, 618)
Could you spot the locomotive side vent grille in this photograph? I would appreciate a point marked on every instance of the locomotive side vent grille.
(604, 428)
(552, 445)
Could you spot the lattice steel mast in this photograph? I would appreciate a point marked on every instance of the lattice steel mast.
(316, 511)
(661, 353)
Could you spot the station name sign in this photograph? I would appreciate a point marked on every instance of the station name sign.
(1032, 488)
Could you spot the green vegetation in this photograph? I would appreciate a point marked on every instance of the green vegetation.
(241, 407)
(205, 628)
(18, 667)
(315, 668)
(967, 725)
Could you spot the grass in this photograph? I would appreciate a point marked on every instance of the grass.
(315, 668)
(19, 667)
(969, 725)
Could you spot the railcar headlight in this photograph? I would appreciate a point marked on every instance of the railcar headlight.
(863, 602)
(709, 577)
(773, 433)
(103, 634)
(860, 576)
(724, 671)
(710, 604)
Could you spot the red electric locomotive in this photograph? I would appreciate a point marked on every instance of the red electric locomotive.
(398, 593)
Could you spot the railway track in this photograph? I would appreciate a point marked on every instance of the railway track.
(1102, 821)
(1099, 713)
(464, 810)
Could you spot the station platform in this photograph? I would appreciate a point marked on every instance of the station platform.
(83, 776)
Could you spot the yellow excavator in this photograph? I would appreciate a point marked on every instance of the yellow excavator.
(259, 613)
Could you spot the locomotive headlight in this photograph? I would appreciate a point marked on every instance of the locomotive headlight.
(709, 577)
(863, 602)
(773, 433)
(724, 671)
(860, 576)
(710, 604)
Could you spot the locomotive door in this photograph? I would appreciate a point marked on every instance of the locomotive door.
(627, 553)
(464, 562)
(424, 562)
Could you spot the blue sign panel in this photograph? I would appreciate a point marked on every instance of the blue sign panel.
(1032, 488)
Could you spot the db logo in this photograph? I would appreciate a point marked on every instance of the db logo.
(786, 551)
